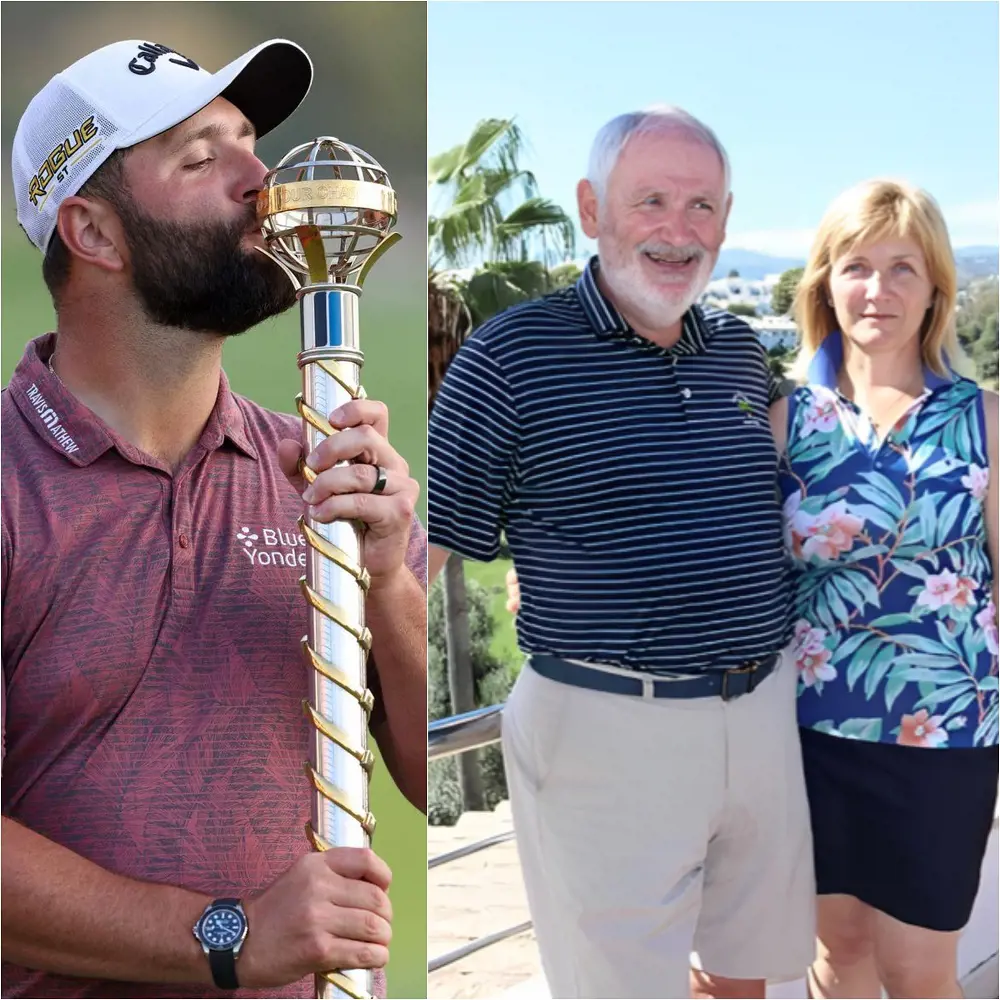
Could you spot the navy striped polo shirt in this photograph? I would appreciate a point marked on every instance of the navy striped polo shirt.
(635, 484)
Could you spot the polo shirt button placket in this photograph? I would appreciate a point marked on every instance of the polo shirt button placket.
(183, 573)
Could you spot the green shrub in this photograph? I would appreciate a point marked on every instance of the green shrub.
(493, 679)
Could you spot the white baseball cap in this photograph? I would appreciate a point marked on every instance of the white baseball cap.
(126, 93)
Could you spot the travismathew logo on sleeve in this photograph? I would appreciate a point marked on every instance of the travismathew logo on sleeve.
(51, 420)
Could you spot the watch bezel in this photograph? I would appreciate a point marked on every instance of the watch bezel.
(214, 908)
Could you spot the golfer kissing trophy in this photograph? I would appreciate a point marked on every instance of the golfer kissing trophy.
(326, 212)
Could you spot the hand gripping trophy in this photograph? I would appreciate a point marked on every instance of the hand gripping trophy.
(326, 212)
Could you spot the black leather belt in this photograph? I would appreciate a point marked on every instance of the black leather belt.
(726, 684)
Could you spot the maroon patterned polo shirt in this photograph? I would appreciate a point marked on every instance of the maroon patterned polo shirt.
(153, 679)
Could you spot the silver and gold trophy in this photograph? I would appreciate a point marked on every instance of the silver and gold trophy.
(327, 211)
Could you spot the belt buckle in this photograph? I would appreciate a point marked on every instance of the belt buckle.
(749, 667)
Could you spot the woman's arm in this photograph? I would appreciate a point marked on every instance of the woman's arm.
(778, 415)
(991, 404)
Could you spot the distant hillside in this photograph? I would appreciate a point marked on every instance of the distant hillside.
(972, 262)
(752, 265)
(977, 262)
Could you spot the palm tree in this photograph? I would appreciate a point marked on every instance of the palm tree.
(449, 322)
(494, 243)
(495, 239)
(483, 220)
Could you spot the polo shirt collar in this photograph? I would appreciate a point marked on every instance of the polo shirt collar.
(79, 435)
(606, 321)
(227, 422)
(825, 365)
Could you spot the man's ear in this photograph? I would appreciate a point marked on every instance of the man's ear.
(92, 232)
(586, 200)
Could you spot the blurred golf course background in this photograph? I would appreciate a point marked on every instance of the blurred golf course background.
(370, 90)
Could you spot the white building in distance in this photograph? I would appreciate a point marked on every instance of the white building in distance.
(772, 331)
(724, 292)
(775, 331)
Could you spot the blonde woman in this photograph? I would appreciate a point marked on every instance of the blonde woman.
(888, 476)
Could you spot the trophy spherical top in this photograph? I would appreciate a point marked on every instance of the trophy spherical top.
(325, 208)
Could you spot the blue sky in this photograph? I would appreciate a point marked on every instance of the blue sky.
(807, 97)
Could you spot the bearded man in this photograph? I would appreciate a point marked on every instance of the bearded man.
(617, 435)
(153, 681)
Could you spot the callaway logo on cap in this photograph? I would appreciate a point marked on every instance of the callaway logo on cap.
(126, 93)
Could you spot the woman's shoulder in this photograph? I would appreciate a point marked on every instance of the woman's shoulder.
(958, 392)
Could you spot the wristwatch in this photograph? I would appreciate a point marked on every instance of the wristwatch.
(221, 931)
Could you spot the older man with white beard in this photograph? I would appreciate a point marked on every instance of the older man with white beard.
(618, 435)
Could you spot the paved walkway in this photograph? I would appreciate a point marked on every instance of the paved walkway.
(474, 896)
(483, 893)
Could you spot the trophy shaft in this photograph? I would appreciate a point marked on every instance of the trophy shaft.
(327, 210)
(335, 584)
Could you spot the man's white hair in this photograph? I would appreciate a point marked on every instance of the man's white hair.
(660, 118)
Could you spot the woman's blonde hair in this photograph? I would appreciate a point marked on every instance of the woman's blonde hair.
(871, 211)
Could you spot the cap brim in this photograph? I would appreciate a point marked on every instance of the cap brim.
(256, 90)
(267, 84)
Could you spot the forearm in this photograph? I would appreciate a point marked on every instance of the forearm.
(396, 613)
(66, 915)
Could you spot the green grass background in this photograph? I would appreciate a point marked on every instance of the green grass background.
(492, 576)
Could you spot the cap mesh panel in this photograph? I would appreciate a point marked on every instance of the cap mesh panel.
(46, 125)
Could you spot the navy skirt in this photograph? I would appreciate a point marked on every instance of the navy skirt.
(901, 828)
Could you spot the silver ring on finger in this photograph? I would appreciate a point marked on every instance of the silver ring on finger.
(381, 479)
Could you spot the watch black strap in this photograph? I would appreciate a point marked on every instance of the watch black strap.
(223, 963)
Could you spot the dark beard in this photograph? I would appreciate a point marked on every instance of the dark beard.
(199, 276)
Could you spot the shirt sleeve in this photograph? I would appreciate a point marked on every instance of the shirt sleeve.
(416, 551)
(471, 448)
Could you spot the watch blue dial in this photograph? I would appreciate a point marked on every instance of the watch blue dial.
(222, 928)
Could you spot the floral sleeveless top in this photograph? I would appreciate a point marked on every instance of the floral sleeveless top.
(895, 625)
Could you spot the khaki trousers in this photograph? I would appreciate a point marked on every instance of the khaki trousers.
(656, 834)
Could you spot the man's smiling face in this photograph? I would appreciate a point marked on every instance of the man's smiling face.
(661, 224)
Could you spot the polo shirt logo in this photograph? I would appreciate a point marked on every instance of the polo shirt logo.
(745, 407)
(51, 420)
(272, 546)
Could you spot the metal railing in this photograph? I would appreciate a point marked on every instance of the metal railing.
(459, 733)
(445, 738)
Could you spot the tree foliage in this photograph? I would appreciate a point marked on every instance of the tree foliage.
(783, 295)
(779, 361)
(493, 242)
(742, 309)
(977, 329)
(493, 680)
(492, 210)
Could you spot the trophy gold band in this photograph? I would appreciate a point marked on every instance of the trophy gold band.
(326, 212)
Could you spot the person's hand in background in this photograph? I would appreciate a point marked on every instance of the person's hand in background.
(513, 592)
